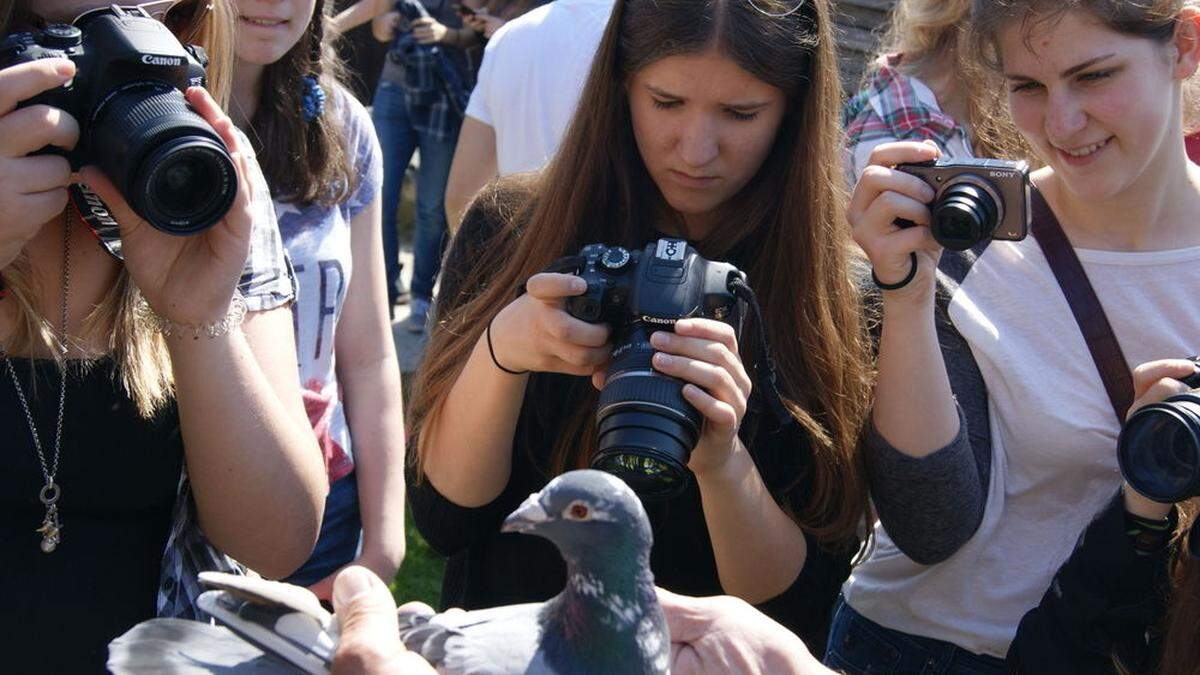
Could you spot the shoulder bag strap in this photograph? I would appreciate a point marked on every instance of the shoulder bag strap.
(1089, 314)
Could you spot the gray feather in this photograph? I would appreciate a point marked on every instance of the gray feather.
(179, 647)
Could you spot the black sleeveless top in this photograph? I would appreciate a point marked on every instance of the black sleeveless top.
(118, 473)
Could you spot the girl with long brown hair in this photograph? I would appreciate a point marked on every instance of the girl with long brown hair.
(994, 431)
(712, 121)
(318, 149)
(116, 373)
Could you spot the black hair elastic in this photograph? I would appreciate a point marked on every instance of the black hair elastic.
(492, 351)
(912, 274)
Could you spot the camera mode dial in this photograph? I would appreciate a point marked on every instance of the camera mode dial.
(614, 260)
(61, 36)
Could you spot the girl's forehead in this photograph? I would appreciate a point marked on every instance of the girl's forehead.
(1058, 42)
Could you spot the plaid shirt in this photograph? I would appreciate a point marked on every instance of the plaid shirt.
(897, 107)
(433, 78)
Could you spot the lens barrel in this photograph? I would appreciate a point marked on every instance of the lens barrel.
(963, 216)
(169, 163)
(1159, 449)
(647, 429)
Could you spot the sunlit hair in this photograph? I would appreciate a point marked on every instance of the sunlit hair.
(932, 34)
(305, 162)
(140, 354)
(786, 228)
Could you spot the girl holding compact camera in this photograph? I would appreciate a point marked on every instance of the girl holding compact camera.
(714, 122)
(992, 440)
(117, 374)
(322, 161)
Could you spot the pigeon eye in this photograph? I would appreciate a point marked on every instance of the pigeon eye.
(577, 511)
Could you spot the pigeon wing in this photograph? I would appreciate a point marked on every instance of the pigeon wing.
(496, 641)
(179, 647)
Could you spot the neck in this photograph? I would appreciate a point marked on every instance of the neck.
(247, 84)
(1155, 213)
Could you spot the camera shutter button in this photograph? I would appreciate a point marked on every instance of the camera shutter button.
(614, 260)
(61, 36)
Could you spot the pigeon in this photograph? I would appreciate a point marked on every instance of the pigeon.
(606, 620)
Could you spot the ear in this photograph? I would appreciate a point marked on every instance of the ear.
(1186, 43)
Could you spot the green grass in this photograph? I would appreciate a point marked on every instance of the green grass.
(420, 577)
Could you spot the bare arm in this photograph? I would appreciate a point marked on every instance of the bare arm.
(474, 166)
(250, 452)
(369, 375)
(359, 13)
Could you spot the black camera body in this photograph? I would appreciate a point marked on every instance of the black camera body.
(135, 124)
(976, 199)
(647, 430)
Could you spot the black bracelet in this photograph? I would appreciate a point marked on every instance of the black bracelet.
(492, 351)
(912, 274)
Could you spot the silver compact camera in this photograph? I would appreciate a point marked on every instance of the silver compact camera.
(977, 199)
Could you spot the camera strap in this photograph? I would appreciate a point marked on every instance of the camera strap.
(1085, 306)
(765, 367)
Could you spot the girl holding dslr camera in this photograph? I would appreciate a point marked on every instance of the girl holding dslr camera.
(719, 126)
(991, 408)
(105, 400)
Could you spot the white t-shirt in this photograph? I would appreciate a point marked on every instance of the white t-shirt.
(533, 71)
(1054, 435)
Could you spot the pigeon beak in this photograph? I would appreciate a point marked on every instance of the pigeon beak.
(527, 517)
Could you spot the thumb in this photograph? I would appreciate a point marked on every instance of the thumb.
(364, 606)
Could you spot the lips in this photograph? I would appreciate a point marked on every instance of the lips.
(690, 180)
(1083, 151)
(265, 22)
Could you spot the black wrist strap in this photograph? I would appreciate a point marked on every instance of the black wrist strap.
(492, 352)
(1089, 313)
(912, 274)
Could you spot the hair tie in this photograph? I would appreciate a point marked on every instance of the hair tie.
(312, 101)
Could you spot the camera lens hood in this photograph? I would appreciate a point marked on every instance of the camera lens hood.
(1159, 449)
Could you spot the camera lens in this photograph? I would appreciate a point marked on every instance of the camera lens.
(963, 216)
(168, 162)
(647, 429)
(1159, 449)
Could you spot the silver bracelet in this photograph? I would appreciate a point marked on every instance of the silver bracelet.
(161, 324)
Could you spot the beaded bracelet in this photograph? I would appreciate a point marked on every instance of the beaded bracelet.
(233, 318)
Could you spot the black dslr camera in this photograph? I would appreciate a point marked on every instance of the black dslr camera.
(977, 199)
(647, 430)
(1159, 450)
(135, 124)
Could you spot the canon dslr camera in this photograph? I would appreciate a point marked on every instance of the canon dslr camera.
(135, 124)
(647, 429)
(977, 199)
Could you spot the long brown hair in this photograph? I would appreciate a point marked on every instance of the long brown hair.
(142, 363)
(1181, 637)
(305, 162)
(786, 229)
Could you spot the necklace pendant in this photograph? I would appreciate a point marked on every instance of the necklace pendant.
(51, 530)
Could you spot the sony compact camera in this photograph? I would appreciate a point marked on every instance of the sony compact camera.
(647, 430)
(977, 199)
(135, 124)
(1159, 447)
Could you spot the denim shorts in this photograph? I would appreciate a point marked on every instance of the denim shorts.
(859, 645)
(341, 534)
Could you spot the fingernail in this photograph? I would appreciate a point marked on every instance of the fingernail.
(65, 69)
(351, 583)
(578, 285)
(663, 359)
(659, 338)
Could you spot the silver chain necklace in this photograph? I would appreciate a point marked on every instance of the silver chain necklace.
(51, 529)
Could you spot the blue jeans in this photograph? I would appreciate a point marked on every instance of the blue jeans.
(399, 140)
(859, 645)
(341, 532)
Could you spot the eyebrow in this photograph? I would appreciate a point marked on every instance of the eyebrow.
(745, 105)
(1069, 71)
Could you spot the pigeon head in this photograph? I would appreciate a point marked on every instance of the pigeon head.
(585, 511)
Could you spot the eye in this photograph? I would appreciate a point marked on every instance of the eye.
(741, 116)
(665, 105)
(576, 511)
(1097, 76)
(1025, 87)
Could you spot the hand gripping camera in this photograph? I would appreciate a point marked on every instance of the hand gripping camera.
(647, 429)
(1159, 450)
(977, 199)
(135, 124)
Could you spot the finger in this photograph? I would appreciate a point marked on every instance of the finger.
(715, 380)
(716, 411)
(598, 379)
(212, 113)
(876, 180)
(708, 329)
(363, 605)
(28, 129)
(686, 619)
(588, 358)
(557, 365)
(26, 80)
(561, 326)
(551, 287)
(880, 217)
(707, 350)
(423, 21)
(903, 152)
(1147, 374)
(41, 174)
(40, 207)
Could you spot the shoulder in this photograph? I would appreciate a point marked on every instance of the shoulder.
(897, 105)
(514, 32)
(353, 116)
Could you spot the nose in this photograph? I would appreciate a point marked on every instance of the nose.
(1065, 117)
(698, 141)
